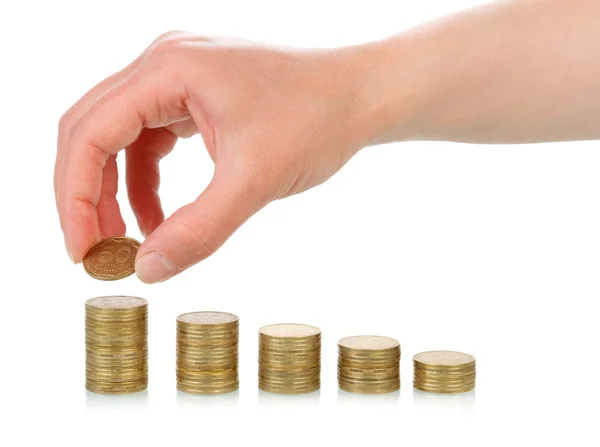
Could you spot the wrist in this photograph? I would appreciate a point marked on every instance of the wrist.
(385, 91)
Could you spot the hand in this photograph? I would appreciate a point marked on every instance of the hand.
(274, 121)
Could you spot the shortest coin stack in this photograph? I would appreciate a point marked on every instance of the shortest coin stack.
(289, 358)
(444, 372)
(116, 343)
(369, 364)
(207, 352)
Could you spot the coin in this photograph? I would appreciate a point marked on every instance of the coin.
(271, 387)
(116, 387)
(207, 352)
(289, 358)
(446, 390)
(444, 359)
(444, 372)
(287, 331)
(368, 364)
(116, 342)
(111, 258)
(369, 387)
(212, 389)
(368, 343)
(207, 318)
(116, 302)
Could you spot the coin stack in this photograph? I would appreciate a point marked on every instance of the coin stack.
(369, 364)
(444, 372)
(116, 339)
(289, 359)
(207, 352)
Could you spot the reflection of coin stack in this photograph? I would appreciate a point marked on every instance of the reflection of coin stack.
(369, 364)
(207, 352)
(116, 339)
(444, 372)
(289, 358)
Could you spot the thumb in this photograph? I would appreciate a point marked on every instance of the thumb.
(197, 230)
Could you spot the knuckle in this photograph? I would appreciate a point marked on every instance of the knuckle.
(169, 34)
(167, 43)
(64, 123)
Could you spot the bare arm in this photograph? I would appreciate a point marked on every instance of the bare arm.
(278, 121)
(512, 71)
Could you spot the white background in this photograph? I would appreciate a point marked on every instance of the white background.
(487, 250)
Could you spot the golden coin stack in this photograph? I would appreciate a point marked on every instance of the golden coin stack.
(289, 358)
(116, 341)
(369, 364)
(207, 352)
(444, 372)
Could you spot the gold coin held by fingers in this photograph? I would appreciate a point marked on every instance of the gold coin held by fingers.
(111, 259)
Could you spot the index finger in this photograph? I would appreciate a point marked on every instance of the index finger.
(112, 123)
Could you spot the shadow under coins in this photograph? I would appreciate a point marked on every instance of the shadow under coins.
(459, 403)
(119, 402)
(361, 399)
(188, 400)
(273, 399)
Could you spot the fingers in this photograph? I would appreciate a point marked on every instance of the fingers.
(109, 214)
(184, 129)
(114, 121)
(143, 178)
(70, 118)
(197, 230)
(72, 115)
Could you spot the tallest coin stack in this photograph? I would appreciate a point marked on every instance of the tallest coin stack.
(116, 342)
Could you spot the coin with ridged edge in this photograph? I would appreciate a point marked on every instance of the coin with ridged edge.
(444, 359)
(116, 340)
(207, 352)
(116, 302)
(289, 331)
(208, 318)
(368, 364)
(289, 358)
(444, 372)
(112, 258)
(368, 343)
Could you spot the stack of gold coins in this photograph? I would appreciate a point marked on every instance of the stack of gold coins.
(369, 364)
(444, 372)
(207, 352)
(289, 358)
(116, 341)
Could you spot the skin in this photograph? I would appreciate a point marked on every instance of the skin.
(278, 121)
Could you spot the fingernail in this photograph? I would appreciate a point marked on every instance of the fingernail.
(152, 267)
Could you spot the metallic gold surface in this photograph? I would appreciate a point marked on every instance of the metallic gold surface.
(368, 364)
(444, 372)
(111, 259)
(207, 352)
(289, 358)
(368, 343)
(444, 359)
(116, 340)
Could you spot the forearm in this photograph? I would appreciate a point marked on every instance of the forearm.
(510, 72)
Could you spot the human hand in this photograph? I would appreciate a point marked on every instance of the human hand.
(274, 121)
